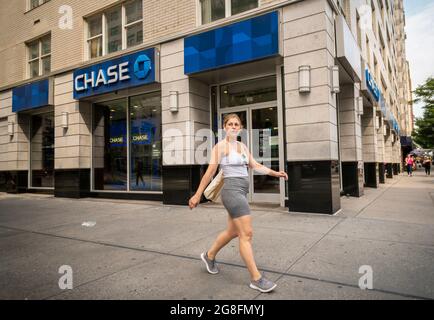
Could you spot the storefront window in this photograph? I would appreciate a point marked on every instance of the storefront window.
(110, 145)
(42, 150)
(145, 142)
(248, 92)
(137, 120)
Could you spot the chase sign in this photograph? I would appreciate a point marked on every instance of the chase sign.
(128, 71)
(372, 85)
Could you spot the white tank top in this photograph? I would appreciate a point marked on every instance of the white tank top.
(234, 164)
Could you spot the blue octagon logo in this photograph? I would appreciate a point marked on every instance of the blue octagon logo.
(142, 66)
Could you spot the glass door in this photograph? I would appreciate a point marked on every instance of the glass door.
(261, 136)
(265, 150)
(42, 151)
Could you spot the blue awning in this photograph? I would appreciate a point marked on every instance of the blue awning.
(244, 41)
(33, 95)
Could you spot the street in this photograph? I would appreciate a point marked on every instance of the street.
(121, 249)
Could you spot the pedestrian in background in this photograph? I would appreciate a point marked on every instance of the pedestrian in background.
(427, 165)
(409, 162)
(234, 158)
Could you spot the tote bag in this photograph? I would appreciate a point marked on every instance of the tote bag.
(212, 192)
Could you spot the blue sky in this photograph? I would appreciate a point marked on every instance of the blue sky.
(413, 6)
(419, 18)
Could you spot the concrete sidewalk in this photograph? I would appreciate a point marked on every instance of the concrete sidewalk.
(145, 250)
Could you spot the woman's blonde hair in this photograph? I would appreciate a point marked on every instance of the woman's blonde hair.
(230, 116)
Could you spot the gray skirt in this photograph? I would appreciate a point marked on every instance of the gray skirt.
(234, 196)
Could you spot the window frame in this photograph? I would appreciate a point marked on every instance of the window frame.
(39, 58)
(228, 12)
(104, 30)
(40, 3)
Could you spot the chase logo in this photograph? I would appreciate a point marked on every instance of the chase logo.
(142, 66)
(124, 72)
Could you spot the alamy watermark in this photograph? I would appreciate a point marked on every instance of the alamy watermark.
(66, 21)
(365, 14)
(179, 147)
(367, 280)
(65, 281)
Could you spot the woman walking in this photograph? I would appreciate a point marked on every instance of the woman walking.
(409, 163)
(234, 157)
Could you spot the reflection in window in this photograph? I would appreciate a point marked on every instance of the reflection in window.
(212, 10)
(145, 142)
(39, 53)
(110, 145)
(139, 120)
(248, 92)
(264, 124)
(238, 6)
(121, 27)
(114, 30)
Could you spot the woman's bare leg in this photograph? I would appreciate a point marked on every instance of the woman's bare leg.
(245, 234)
(223, 239)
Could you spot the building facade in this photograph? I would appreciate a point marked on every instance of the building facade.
(125, 98)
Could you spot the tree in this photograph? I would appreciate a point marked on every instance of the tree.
(423, 133)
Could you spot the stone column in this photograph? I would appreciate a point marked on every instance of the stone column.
(310, 118)
(72, 145)
(181, 170)
(350, 141)
(388, 153)
(369, 135)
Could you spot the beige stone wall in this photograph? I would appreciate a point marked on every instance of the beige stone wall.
(349, 124)
(179, 128)
(72, 145)
(160, 18)
(388, 153)
(13, 150)
(18, 27)
(311, 119)
(369, 134)
(390, 72)
(381, 144)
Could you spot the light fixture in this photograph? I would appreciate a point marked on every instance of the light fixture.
(303, 79)
(359, 105)
(384, 130)
(334, 71)
(378, 122)
(11, 128)
(64, 120)
(173, 107)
